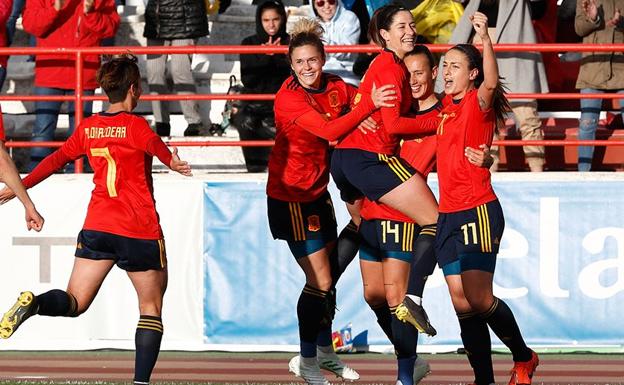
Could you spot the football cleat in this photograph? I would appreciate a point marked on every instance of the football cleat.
(332, 363)
(522, 372)
(20, 312)
(311, 374)
(410, 311)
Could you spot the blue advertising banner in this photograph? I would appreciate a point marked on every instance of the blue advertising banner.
(561, 268)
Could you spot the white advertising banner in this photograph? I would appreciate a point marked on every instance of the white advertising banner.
(39, 262)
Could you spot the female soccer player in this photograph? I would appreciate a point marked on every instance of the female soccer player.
(471, 220)
(388, 247)
(311, 110)
(122, 225)
(364, 164)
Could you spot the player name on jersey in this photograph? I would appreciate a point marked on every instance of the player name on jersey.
(105, 132)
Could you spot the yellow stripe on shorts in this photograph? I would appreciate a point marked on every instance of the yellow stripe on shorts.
(296, 219)
(392, 163)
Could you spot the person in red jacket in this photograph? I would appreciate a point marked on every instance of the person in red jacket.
(122, 226)
(57, 24)
(311, 109)
(5, 11)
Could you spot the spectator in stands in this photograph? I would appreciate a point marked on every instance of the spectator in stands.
(341, 27)
(171, 23)
(64, 23)
(598, 22)
(509, 21)
(262, 74)
(5, 10)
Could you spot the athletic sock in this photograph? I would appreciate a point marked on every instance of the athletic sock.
(501, 320)
(324, 338)
(311, 309)
(404, 339)
(405, 370)
(57, 303)
(346, 249)
(147, 341)
(384, 318)
(424, 260)
(476, 338)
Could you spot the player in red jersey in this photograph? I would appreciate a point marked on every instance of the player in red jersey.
(10, 177)
(388, 247)
(311, 109)
(122, 225)
(471, 220)
(365, 164)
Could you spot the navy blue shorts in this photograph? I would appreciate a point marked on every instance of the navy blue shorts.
(308, 222)
(359, 173)
(383, 239)
(470, 239)
(130, 254)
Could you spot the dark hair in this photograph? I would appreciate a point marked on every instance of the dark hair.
(500, 104)
(422, 50)
(116, 75)
(382, 19)
(306, 32)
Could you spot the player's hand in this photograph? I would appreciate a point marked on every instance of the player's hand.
(88, 6)
(590, 8)
(479, 157)
(368, 125)
(383, 95)
(617, 20)
(34, 220)
(58, 4)
(178, 165)
(480, 25)
(6, 194)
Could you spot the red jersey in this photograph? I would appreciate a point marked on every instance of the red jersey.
(386, 69)
(420, 153)
(306, 120)
(463, 185)
(120, 148)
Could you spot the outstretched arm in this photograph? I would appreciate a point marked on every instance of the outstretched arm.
(14, 187)
(490, 68)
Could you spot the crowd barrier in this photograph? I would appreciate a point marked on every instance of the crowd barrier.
(232, 287)
(81, 52)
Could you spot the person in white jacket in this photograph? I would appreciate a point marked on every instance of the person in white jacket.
(341, 27)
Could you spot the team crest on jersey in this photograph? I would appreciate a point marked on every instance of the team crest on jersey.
(314, 223)
(357, 98)
(334, 99)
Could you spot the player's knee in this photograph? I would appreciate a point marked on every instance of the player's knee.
(393, 297)
(374, 297)
(480, 302)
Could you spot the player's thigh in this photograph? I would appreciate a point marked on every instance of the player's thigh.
(372, 282)
(317, 268)
(395, 276)
(86, 279)
(414, 199)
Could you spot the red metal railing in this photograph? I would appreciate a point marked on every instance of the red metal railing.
(80, 52)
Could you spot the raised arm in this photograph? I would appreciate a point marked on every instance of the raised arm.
(101, 17)
(490, 68)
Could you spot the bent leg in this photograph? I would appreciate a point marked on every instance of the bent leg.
(414, 199)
